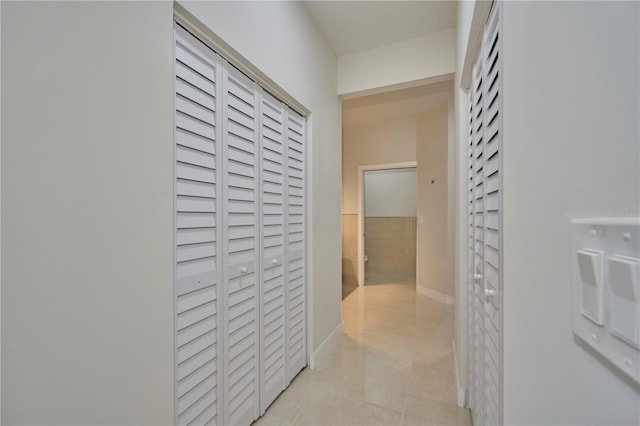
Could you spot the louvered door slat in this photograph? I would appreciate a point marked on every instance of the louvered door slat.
(196, 251)
(240, 207)
(272, 333)
(295, 219)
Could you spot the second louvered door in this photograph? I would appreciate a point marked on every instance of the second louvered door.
(240, 209)
(492, 103)
(485, 216)
(477, 194)
(273, 274)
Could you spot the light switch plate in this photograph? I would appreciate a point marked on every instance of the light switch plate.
(591, 268)
(624, 272)
(604, 320)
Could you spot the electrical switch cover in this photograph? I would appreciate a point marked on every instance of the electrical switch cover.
(625, 299)
(590, 266)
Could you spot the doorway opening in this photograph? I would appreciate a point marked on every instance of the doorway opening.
(387, 223)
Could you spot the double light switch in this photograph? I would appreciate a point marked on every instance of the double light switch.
(606, 289)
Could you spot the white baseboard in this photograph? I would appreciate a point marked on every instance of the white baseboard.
(325, 345)
(462, 392)
(435, 295)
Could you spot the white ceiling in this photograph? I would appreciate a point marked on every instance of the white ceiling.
(396, 104)
(352, 26)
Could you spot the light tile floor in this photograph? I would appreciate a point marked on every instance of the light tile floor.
(392, 366)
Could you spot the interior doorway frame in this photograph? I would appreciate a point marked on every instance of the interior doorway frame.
(361, 170)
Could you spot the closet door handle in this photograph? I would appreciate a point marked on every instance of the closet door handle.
(274, 261)
(243, 270)
(478, 277)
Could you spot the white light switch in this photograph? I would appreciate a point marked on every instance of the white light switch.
(624, 272)
(590, 267)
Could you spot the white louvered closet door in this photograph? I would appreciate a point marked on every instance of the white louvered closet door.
(239, 241)
(272, 237)
(197, 268)
(240, 209)
(295, 224)
(492, 103)
(485, 164)
(477, 158)
(471, 290)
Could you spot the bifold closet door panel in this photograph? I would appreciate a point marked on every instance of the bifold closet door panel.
(492, 103)
(273, 193)
(471, 286)
(240, 208)
(295, 205)
(197, 243)
(477, 159)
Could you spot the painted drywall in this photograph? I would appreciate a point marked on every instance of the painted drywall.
(390, 193)
(571, 75)
(415, 60)
(392, 141)
(87, 277)
(463, 27)
(300, 61)
(432, 152)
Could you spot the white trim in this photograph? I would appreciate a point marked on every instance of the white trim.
(326, 344)
(361, 170)
(626, 220)
(436, 295)
(480, 17)
(398, 86)
(462, 392)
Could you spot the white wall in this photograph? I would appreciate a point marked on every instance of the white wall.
(391, 141)
(281, 39)
(432, 242)
(390, 193)
(463, 26)
(87, 294)
(87, 171)
(572, 148)
(415, 60)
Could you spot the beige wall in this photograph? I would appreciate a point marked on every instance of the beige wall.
(392, 141)
(387, 142)
(432, 249)
(350, 249)
(423, 138)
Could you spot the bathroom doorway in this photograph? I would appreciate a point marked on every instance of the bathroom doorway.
(388, 221)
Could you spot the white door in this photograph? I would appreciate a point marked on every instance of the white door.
(197, 243)
(295, 288)
(240, 211)
(239, 241)
(272, 237)
(485, 215)
(492, 217)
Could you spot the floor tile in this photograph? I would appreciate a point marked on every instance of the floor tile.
(393, 365)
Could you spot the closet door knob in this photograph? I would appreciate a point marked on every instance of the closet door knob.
(477, 277)
(243, 269)
(274, 261)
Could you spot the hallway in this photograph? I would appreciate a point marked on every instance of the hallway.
(392, 366)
